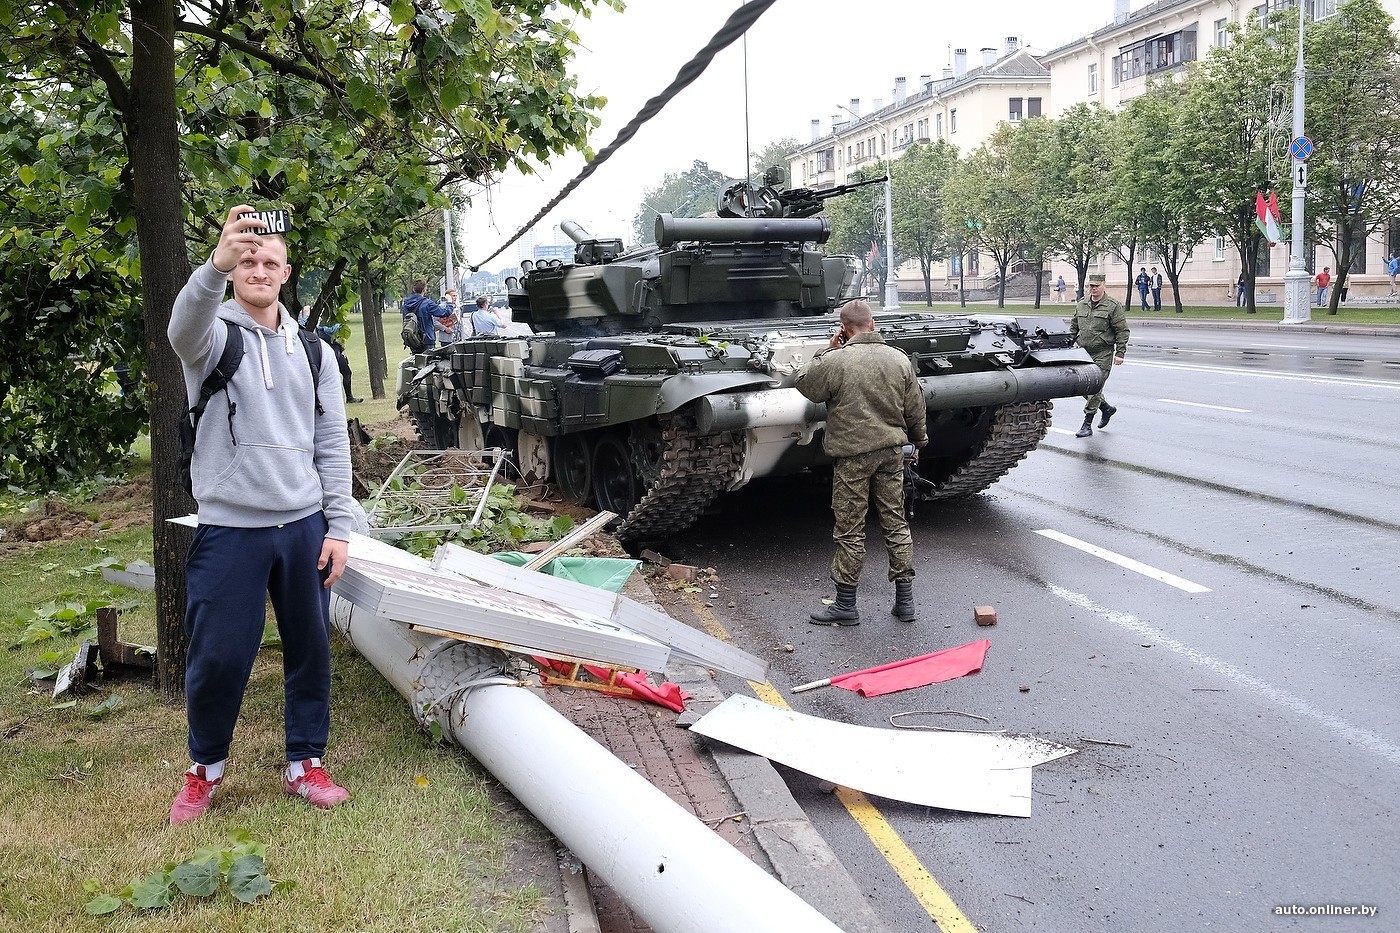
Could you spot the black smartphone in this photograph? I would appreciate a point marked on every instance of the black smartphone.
(272, 221)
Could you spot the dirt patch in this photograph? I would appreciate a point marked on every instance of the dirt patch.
(375, 452)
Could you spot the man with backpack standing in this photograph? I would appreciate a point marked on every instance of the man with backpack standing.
(271, 474)
(426, 312)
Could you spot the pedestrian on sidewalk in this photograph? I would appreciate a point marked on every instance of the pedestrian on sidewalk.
(275, 512)
(1099, 325)
(1156, 289)
(1060, 290)
(1392, 269)
(874, 407)
(1324, 279)
(1241, 298)
(1143, 282)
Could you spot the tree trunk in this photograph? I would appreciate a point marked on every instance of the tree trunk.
(372, 321)
(1129, 259)
(154, 155)
(1174, 275)
(1339, 281)
(1002, 265)
(1039, 279)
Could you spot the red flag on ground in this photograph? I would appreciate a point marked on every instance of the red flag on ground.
(948, 664)
(635, 685)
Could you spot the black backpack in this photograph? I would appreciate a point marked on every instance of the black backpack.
(412, 334)
(217, 382)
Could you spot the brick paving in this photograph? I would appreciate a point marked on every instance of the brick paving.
(645, 737)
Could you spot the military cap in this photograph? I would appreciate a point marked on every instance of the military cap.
(1096, 279)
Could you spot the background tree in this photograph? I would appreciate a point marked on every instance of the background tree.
(1030, 141)
(683, 194)
(1353, 62)
(858, 228)
(775, 153)
(1234, 120)
(384, 105)
(920, 229)
(1155, 183)
(982, 191)
(1075, 202)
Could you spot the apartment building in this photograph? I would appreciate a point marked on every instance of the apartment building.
(1110, 66)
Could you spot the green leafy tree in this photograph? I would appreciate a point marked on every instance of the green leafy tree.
(1155, 183)
(1233, 122)
(1353, 84)
(1029, 143)
(775, 153)
(355, 116)
(69, 314)
(690, 193)
(985, 193)
(858, 228)
(1075, 203)
(920, 228)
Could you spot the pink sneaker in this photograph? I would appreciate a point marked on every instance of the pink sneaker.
(317, 787)
(194, 797)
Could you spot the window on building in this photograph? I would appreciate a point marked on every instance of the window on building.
(1155, 54)
(953, 120)
(938, 126)
(1220, 249)
(824, 160)
(1222, 33)
(1032, 106)
(1015, 110)
(1392, 237)
(923, 130)
(1321, 9)
(1094, 78)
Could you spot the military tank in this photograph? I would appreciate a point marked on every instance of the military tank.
(661, 377)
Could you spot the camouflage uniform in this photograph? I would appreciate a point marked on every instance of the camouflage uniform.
(874, 406)
(1102, 329)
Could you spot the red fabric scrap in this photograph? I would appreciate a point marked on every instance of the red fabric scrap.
(666, 694)
(935, 668)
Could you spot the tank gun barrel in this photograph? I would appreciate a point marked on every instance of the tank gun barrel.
(672, 230)
(574, 231)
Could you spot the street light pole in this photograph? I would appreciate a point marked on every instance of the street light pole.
(891, 300)
(1297, 284)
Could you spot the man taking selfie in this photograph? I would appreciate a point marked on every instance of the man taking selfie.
(271, 475)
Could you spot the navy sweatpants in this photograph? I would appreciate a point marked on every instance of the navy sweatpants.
(229, 574)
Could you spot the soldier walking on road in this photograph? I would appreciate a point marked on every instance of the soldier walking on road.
(1099, 325)
(874, 406)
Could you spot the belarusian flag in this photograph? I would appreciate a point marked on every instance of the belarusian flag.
(1266, 216)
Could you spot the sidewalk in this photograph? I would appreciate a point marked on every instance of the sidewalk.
(737, 794)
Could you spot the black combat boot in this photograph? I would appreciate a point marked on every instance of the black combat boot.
(1106, 411)
(903, 600)
(1087, 427)
(841, 612)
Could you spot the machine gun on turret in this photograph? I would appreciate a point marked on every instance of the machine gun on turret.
(744, 199)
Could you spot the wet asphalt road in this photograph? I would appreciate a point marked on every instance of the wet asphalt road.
(1257, 724)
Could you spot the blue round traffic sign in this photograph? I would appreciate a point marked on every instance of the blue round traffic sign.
(1301, 148)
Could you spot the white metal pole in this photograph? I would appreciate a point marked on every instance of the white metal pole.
(1297, 283)
(673, 870)
(891, 276)
(450, 279)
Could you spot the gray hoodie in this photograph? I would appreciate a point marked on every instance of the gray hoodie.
(287, 462)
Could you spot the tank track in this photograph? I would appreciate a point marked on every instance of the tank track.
(695, 469)
(1014, 432)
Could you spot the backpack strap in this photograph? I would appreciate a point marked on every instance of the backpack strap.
(217, 381)
(311, 341)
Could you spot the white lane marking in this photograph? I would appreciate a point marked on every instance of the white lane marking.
(1176, 401)
(1278, 346)
(1346, 730)
(1271, 374)
(1125, 562)
(1062, 431)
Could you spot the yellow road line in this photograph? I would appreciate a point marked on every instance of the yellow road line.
(919, 880)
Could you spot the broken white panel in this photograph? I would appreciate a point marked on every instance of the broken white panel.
(978, 773)
(137, 574)
(369, 548)
(523, 624)
(685, 642)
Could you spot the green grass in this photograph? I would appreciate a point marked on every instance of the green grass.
(373, 410)
(421, 846)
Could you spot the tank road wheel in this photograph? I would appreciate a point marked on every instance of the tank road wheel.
(506, 439)
(614, 481)
(648, 446)
(469, 433)
(573, 468)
